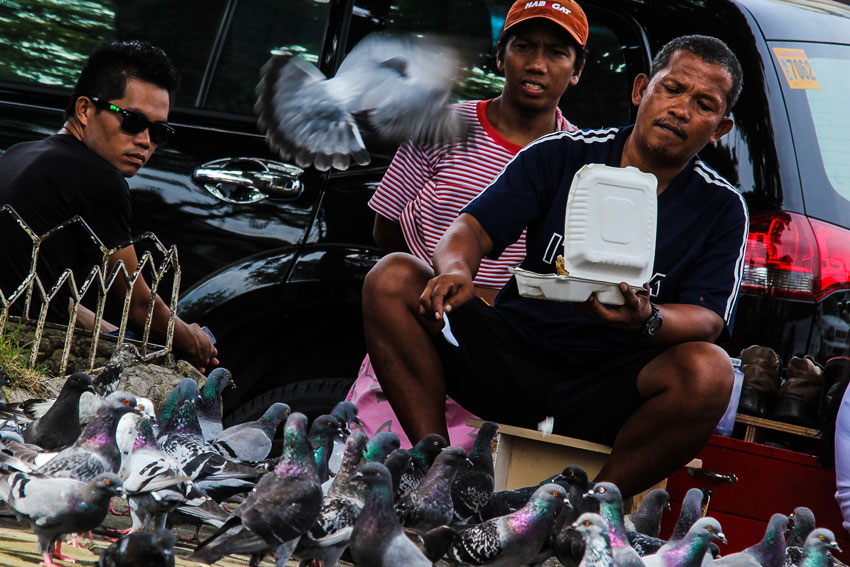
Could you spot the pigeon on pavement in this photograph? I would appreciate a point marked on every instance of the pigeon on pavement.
(573, 478)
(380, 446)
(801, 523)
(323, 431)
(282, 506)
(398, 462)
(346, 412)
(400, 85)
(422, 454)
(647, 518)
(252, 441)
(107, 381)
(57, 506)
(593, 530)
(816, 551)
(430, 505)
(504, 541)
(209, 405)
(94, 452)
(769, 552)
(142, 549)
(377, 539)
(691, 549)
(473, 486)
(60, 426)
(611, 508)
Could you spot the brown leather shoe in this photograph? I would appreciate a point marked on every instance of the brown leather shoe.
(760, 366)
(799, 396)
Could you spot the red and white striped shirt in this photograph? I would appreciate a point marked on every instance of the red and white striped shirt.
(425, 188)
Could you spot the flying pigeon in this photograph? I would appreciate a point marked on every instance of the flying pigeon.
(647, 518)
(769, 552)
(57, 506)
(473, 486)
(430, 504)
(148, 549)
(691, 549)
(252, 441)
(515, 539)
(816, 551)
(60, 426)
(422, 454)
(283, 505)
(399, 86)
(377, 539)
(209, 405)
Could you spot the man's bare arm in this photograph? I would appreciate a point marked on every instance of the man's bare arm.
(456, 260)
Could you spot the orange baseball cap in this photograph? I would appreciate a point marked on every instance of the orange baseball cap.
(565, 13)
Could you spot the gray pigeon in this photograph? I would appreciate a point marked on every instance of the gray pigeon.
(473, 486)
(283, 505)
(597, 543)
(346, 412)
(422, 454)
(568, 544)
(400, 85)
(143, 549)
(573, 478)
(801, 523)
(209, 405)
(816, 551)
(94, 452)
(60, 426)
(107, 381)
(611, 508)
(691, 549)
(323, 431)
(690, 512)
(430, 505)
(398, 462)
(57, 506)
(507, 541)
(377, 539)
(252, 441)
(769, 552)
(380, 446)
(647, 518)
(328, 538)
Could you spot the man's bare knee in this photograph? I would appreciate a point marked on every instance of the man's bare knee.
(395, 276)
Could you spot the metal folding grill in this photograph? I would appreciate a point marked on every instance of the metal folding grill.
(100, 280)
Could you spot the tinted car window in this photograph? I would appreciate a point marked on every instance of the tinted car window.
(259, 29)
(815, 80)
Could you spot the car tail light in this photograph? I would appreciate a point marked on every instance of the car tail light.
(792, 256)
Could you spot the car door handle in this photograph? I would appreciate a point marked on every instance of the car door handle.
(245, 180)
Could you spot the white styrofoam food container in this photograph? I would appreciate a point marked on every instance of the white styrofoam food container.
(609, 237)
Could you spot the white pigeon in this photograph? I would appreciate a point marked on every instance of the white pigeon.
(401, 86)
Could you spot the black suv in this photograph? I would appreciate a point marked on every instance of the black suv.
(274, 257)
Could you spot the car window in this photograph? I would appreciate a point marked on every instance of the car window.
(46, 42)
(259, 29)
(602, 97)
(815, 80)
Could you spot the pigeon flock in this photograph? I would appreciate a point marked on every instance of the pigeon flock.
(332, 495)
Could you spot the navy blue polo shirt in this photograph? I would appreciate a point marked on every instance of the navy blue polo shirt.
(699, 250)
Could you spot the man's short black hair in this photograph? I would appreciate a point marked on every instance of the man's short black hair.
(109, 66)
(709, 49)
(508, 34)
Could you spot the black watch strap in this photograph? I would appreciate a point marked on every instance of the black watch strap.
(652, 326)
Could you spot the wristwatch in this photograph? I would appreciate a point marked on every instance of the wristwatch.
(652, 325)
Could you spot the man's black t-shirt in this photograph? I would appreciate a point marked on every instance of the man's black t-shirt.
(48, 182)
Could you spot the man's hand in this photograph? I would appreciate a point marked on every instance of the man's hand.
(444, 293)
(630, 316)
(197, 348)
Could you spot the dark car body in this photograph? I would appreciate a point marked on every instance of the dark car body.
(277, 274)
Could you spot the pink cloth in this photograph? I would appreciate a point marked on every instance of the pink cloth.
(376, 415)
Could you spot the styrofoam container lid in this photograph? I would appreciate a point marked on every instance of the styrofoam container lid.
(567, 288)
(609, 226)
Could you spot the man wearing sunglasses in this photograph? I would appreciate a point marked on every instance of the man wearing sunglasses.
(115, 120)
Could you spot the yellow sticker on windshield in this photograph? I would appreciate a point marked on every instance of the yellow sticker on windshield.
(797, 68)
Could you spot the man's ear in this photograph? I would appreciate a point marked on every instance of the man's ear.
(639, 88)
(723, 128)
(577, 74)
(83, 108)
(500, 60)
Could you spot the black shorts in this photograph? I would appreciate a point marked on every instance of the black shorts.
(502, 375)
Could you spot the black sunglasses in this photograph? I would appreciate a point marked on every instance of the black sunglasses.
(135, 122)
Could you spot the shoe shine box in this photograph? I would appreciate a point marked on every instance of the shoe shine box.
(609, 237)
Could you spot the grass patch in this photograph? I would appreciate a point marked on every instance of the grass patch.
(14, 359)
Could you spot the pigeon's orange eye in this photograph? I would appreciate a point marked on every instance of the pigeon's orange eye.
(141, 407)
(554, 493)
(601, 490)
(586, 523)
(709, 528)
(821, 537)
(107, 482)
(125, 401)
